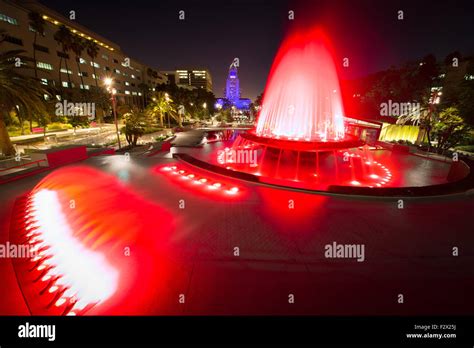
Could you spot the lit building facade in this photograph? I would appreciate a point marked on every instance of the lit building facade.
(232, 92)
(190, 78)
(58, 68)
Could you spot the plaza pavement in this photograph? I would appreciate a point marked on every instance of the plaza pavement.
(407, 251)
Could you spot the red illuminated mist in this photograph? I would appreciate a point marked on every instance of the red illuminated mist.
(302, 99)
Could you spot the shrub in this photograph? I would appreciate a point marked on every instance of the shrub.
(57, 126)
(467, 148)
(135, 125)
(149, 130)
(161, 137)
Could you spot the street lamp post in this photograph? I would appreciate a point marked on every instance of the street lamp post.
(167, 98)
(108, 82)
(114, 108)
(204, 105)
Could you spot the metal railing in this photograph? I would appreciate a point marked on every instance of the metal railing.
(22, 165)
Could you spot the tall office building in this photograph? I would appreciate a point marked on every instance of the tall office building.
(190, 79)
(56, 67)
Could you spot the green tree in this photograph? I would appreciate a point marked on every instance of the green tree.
(145, 90)
(92, 50)
(17, 91)
(135, 124)
(466, 95)
(77, 46)
(225, 115)
(449, 129)
(64, 39)
(258, 100)
(37, 23)
(102, 101)
(411, 82)
(448, 61)
(160, 104)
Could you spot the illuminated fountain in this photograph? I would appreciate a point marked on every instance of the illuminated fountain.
(302, 100)
(300, 139)
(300, 133)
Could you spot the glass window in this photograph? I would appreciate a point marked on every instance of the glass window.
(8, 19)
(45, 66)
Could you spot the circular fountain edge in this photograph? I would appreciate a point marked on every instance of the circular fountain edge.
(305, 146)
(463, 186)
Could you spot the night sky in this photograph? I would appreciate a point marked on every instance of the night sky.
(214, 32)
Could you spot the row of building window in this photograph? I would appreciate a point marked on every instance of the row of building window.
(13, 40)
(41, 48)
(44, 66)
(66, 84)
(124, 64)
(81, 60)
(44, 49)
(8, 19)
(63, 55)
(47, 66)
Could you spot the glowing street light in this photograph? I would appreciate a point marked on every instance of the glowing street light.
(109, 82)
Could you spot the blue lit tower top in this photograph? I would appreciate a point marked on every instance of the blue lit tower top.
(232, 88)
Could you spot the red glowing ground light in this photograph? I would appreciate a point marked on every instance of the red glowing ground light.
(375, 174)
(66, 265)
(200, 182)
(96, 247)
(316, 170)
(302, 99)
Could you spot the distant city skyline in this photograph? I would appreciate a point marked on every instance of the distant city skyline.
(213, 33)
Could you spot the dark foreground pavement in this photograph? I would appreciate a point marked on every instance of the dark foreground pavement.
(281, 238)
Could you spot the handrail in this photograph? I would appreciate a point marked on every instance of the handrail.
(13, 159)
(22, 165)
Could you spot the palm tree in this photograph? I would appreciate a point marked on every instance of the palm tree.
(102, 101)
(37, 23)
(77, 46)
(145, 90)
(64, 39)
(92, 51)
(161, 104)
(16, 89)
